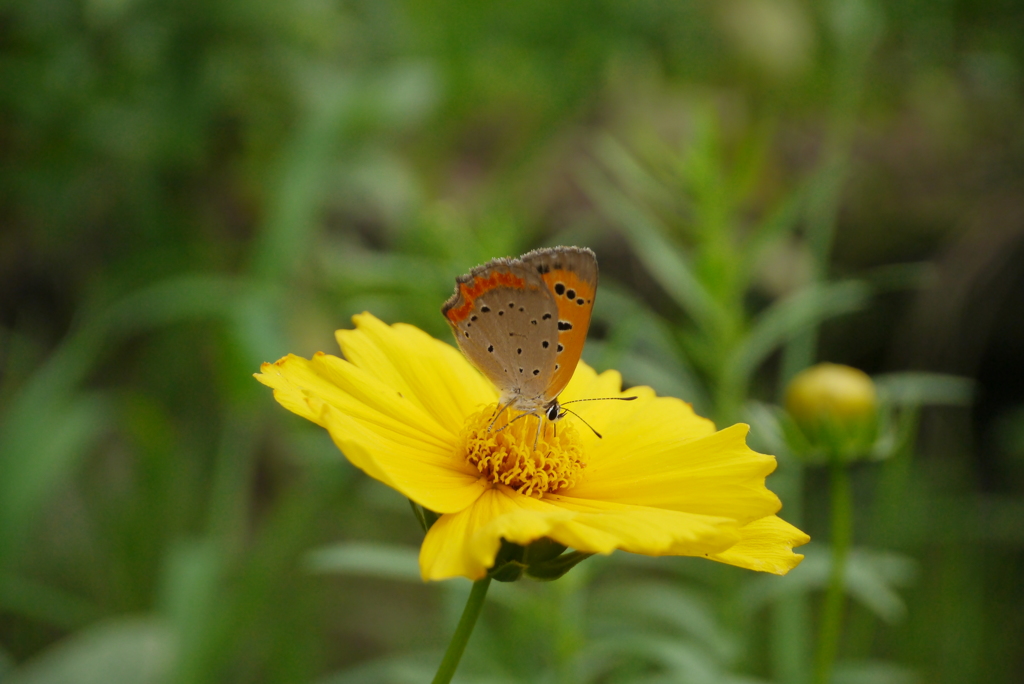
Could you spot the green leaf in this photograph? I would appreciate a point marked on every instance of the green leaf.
(640, 345)
(48, 605)
(925, 389)
(658, 604)
(367, 559)
(414, 669)
(39, 453)
(871, 577)
(123, 651)
(872, 672)
(787, 318)
(664, 261)
(685, 661)
(631, 173)
(767, 430)
(6, 664)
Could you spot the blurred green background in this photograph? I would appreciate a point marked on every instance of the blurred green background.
(188, 189)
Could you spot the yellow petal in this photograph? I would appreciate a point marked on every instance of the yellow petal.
(647, 421)
(419, 474)
(353, 391)
(766, 545)
(465, 543)
(604, 526)
(716, 474)
(431, 374)
(389, 437)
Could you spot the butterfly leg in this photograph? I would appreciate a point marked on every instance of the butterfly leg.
(509, 423)
(501, 409)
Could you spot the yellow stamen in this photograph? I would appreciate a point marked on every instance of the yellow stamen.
(504, 452)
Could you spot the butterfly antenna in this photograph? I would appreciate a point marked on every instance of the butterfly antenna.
(600, 399)
(584, 421)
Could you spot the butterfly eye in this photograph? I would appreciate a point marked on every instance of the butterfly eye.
(552, 412)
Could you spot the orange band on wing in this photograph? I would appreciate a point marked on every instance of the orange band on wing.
(480, 285)
(576, 312)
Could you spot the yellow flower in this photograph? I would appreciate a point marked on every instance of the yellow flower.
(410, 411)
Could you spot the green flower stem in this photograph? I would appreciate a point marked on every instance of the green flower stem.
(832, 612)
(457, 646)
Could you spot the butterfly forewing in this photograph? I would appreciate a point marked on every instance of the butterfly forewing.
(506, 323)
(570, 274)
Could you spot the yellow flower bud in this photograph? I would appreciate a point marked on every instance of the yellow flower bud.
(836, 407)
(831, 391)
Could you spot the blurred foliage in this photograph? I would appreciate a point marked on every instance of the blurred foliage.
(189, 189)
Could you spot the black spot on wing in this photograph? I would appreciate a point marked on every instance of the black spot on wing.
(571, 294)
(559, 289)
(564, 325)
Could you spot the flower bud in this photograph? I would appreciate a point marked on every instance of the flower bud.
(836, 408)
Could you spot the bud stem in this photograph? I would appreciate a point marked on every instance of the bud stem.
(832, 612)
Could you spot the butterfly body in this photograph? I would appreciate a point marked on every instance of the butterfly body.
(522, 322)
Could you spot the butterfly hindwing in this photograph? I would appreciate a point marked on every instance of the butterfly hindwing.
(570, 274)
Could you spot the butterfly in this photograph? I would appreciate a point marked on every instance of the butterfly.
(523, 322)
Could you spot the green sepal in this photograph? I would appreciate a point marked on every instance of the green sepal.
(544, 559)
(424, 516)
(507, 572)
(556, 567)
(830, 441)
(542, 551)
(508, 563)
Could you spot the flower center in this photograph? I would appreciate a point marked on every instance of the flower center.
(514, 454)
